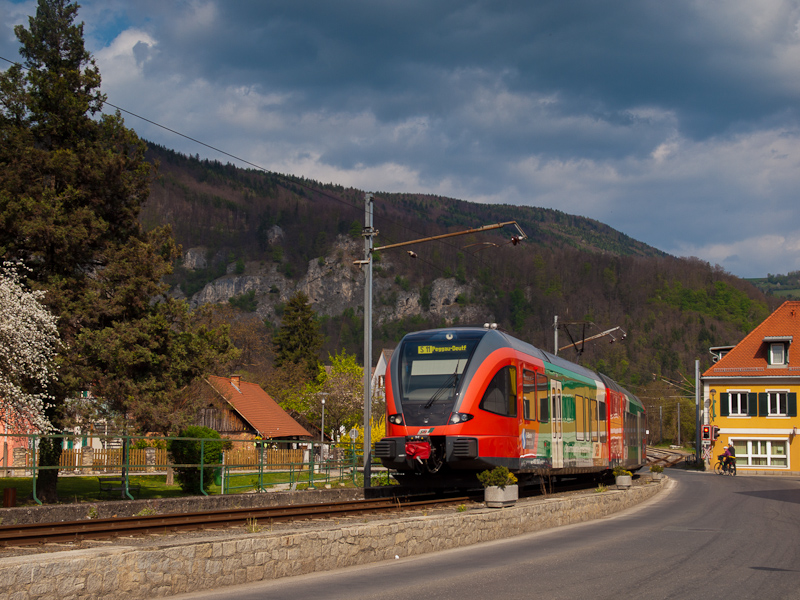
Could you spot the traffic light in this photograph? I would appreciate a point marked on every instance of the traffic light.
(714, 433)
(706, 432)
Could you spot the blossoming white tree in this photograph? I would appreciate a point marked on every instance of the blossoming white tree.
(28, 343)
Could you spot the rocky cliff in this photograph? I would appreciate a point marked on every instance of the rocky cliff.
(334, 283)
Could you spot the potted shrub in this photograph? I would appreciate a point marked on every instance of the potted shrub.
(623, 478)
(500, 487)
(656, 472)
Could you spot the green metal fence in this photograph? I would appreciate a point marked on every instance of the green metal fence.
(246, 465)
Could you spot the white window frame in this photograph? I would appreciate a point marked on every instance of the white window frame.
(745, 459)
(773, 397)
(738, 394)
(775, 357)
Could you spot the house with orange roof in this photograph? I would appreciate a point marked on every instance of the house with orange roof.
(751, 396)
(248, 411)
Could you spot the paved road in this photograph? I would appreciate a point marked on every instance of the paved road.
(707, 537)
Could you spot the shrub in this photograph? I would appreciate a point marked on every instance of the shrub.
(620, 471)
(499, 477)
(188, 452)
(656, 469)
(143, 443)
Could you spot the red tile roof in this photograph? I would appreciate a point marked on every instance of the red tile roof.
(257, 408)
(750, 357)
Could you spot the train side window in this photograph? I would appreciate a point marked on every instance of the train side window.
(542, 390)
(593, 417)
(500, 397)
(528, 395)
(580, 417)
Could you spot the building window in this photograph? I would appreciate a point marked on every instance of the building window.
(777, 354)
(738, 404)
(777, 404)
(761, 453)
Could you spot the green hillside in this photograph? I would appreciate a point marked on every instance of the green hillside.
(672, 309)
(784, 287)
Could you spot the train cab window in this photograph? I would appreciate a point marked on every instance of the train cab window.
(501, 394)
(542, 389)
(529, 404)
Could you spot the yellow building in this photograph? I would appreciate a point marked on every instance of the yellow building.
(751, 395)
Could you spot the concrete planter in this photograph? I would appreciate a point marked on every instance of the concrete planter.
(624, 481)
(656, 476)
(497, 497)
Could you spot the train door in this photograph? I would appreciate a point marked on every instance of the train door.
(529, 434)
(557, 423)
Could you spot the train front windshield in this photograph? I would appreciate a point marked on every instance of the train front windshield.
(432, 365)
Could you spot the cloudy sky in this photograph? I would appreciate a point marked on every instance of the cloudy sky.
(677, 123)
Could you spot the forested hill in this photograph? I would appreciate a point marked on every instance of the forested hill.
(262, 237)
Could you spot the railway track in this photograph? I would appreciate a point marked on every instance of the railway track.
(72, 531)
(665, 457)
(22, 535)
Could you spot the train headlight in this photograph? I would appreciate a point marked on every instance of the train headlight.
(396, 419)
(456, 418)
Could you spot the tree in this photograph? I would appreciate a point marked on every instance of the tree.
(251, 337)
(341, 385)
(188, 452)
(72, 184)
(142, 368)
(28, 342)
(299, 339)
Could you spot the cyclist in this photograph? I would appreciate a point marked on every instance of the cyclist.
(729, 455)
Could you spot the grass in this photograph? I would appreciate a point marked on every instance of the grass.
(87, 489)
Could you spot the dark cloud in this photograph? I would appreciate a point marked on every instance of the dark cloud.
(675, 122)
(401, 59)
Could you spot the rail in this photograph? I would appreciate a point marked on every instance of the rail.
(39, 533)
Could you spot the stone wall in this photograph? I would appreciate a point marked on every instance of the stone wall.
(202, 564)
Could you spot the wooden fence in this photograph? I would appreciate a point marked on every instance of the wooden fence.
(110, 460)
(89, 461)
(246, 459)
(83, 460)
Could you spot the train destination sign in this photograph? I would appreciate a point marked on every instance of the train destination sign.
(441, 349)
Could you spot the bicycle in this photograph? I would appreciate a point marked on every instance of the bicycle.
(723, 469)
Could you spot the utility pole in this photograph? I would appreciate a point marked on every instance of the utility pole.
(368, 234)
(697, 411)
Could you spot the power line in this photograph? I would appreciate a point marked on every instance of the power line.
(268, 171)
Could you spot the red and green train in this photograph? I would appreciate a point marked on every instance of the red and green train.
(466, 399)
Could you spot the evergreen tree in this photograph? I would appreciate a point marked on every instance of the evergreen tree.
(299, 339)
(71, 188)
